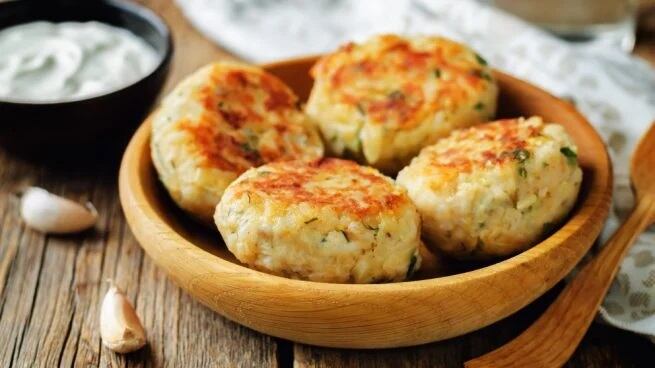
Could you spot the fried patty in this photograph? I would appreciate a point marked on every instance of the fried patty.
(220, 121)
(494, 189)
(328, 220)
(381, 101)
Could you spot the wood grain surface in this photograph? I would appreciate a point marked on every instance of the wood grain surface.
(51, 287)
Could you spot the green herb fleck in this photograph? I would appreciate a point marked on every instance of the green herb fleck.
(263, 173)
(311, 220)
(480, 59)
(521, 155)
(323, 239)
(360, 108)
(482, 74)
(523, 172)
(374, 229)
(345, 235)
(481, 225)
(247, 147)
(252, 154)
(396, 95)
(437, 73)
(545, 164)
(248, 194)
(571, 156)
(412, 264)
(251, 150)
(479, 106)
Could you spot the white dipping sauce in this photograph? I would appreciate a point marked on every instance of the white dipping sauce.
(48, 62)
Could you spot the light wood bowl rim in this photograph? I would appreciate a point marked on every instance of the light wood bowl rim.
(165, 245)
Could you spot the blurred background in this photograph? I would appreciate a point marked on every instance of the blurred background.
(612, 22)
(604, 23)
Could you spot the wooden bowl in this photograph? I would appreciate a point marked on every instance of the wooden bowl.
(368, 316)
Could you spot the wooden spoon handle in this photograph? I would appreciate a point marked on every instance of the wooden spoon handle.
(551, 340)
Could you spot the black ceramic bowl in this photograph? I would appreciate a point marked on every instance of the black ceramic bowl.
(71, 128)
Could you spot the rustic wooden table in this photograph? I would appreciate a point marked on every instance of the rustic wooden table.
(51, 287)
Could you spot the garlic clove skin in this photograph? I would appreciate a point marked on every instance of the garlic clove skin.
(120, 328)
(49, 213)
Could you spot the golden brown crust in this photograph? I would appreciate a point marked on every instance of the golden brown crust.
(491, 190)
(494, 144)
(220, 121)
(236, 102)
(341, 185)
(360, 77)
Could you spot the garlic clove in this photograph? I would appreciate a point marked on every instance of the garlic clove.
(49, 213)
(120, 328)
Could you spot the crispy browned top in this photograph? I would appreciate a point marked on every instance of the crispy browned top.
(249, 117)
(341, 185)
(496, 143)
(397, 81)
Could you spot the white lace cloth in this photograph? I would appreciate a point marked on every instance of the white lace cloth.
(615, 91)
